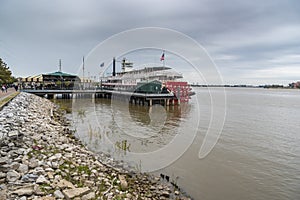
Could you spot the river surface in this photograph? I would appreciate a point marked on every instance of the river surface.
(257, 155)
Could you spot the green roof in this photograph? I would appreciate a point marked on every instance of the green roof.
(59, 74)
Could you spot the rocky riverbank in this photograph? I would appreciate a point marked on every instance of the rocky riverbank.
(41, 159)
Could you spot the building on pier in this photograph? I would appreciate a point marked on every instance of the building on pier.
(50, 81)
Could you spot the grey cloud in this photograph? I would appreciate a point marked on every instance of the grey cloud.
(34, 34)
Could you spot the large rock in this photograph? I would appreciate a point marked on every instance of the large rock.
(38, 191)
(50, 175)
(58, 194)
(39, 171)
(23, 168)
(12, 176)
(10, 115)
(3, 194)
(3, 160)
(5, 168)
(47, 198)
(2, 175)
(89, 196)
(62, 184)
(29, 177)
(14, 165)
(13, 134)
(55, 157)
(55, 165)
(33, 163)
(68, 155)
(41, 179)
(27, 190)
(165, 194)
(76, 192)
(123, 181)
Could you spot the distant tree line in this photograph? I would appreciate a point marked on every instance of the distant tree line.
(5, 74)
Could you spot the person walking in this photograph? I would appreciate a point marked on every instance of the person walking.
(3, 88)
(16, 87)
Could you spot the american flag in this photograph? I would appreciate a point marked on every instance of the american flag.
(162, 57)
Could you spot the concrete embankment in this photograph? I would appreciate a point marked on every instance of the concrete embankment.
(41, 159)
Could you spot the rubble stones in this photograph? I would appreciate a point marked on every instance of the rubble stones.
(41, 159)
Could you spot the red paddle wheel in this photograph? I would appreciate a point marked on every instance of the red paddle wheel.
(180, 89)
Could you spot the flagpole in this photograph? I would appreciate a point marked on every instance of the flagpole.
(83, 71)
(164, 57)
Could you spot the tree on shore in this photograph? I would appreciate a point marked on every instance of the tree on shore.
(5, 74)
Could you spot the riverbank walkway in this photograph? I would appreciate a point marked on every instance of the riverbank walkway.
(5, 97)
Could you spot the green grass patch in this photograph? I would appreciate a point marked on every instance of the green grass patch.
(84, 169)
(45, 188)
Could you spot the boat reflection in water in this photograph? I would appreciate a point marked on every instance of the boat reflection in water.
(116, 127)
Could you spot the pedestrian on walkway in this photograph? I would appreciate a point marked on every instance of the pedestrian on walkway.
(16, 87)
(3, 88)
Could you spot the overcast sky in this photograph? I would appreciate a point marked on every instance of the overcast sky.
(251, 42)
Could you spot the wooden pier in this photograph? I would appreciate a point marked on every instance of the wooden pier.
(132, 97)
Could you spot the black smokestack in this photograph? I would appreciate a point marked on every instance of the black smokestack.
(114, 67)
